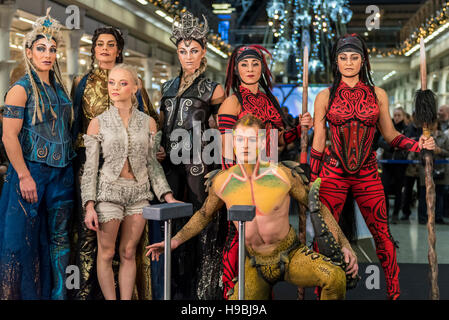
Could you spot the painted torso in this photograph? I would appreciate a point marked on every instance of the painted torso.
(352, 119)
(266, 189)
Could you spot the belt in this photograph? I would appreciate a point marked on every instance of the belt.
(334, 162)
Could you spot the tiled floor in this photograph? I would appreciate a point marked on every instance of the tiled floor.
(413, 241)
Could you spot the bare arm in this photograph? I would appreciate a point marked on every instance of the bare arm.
(319, 122)
(11, 128)
(200, 219)
(385, 123)
(218, 96)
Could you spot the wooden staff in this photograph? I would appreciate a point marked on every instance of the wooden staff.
(303, 156)
(425, 111)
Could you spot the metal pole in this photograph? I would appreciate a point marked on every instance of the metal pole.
(241, 260)
(167, 260)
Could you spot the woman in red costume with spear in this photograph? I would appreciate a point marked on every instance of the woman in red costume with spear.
(247, 72)
(354, 108)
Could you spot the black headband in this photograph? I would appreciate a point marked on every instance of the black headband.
(249, 53)
(350, 44)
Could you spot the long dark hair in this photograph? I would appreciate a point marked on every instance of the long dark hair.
(265, 81)
(118, 37)
(364, 74)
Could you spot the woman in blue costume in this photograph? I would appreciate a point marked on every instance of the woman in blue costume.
(36, 199)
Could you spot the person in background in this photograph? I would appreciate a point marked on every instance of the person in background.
(440, 178)
(443, 117)
(393, 174)
(411, 174)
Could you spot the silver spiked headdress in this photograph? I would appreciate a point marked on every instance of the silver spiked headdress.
(187, 28)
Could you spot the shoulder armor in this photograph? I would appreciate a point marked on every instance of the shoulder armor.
(296, 170)
(210, 178)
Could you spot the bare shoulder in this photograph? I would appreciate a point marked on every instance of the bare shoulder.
(94, 127)
(230, 105)
(322, 100)
(16, 96)
(380, 93)
(382, 96)
(323, 95)
(218, 92)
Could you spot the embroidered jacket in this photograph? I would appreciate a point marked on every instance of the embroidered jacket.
(116, 144)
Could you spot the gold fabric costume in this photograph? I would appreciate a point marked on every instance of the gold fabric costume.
(95, 101)
(294, 263)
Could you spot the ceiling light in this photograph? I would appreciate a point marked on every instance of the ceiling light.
(161, 13)
(87, 40)
(26, 20)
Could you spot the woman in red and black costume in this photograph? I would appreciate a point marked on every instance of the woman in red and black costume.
(354, 108)
(247, 72)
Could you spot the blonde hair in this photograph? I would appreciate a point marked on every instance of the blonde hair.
(38, 100)
(133, 72)
(131, 69)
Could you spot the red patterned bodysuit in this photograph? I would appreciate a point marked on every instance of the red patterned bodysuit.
(350, 164)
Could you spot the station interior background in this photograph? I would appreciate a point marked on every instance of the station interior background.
(391, 30)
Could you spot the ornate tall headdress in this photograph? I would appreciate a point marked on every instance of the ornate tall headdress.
(50, 29)
(45, 26)
(188, 28)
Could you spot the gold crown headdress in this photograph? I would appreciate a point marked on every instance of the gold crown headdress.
(45, 26)
(188, 28)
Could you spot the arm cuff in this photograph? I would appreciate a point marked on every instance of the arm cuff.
(13, 112)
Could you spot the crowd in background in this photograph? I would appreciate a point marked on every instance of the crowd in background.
(399, 176)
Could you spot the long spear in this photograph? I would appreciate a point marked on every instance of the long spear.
(303, 156)
(425, 114)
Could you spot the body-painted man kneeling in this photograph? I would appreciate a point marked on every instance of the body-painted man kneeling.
(274, 252)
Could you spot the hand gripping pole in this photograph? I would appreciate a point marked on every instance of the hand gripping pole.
(241, 214)
(166, 212)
